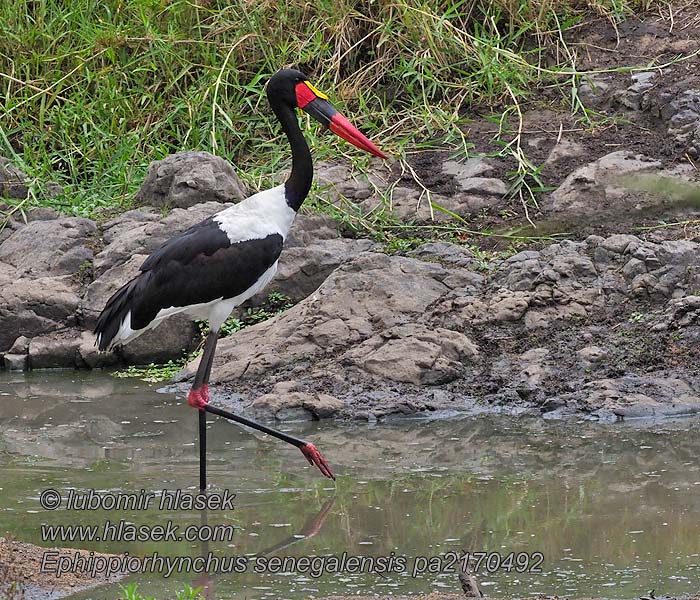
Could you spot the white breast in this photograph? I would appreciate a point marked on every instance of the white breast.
(258, 216)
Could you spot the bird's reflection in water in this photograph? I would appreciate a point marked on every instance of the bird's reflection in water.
(314, 524)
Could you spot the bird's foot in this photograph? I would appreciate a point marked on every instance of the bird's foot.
(199, 397)
(316, 458)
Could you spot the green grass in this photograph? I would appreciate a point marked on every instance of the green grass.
(91, 91)
(130, 592)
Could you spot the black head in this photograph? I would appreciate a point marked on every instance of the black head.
(282, 86)
(290, 89)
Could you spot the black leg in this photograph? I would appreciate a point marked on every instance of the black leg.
(199, 397)
(308, 449)
(202, 451)
(204, 369)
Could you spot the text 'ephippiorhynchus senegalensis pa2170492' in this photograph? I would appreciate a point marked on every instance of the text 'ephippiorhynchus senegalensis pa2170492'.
(219, 263)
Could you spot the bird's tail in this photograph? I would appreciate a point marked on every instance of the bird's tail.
(112, 317)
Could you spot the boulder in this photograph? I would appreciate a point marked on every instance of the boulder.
(137, 232)
(636, 96)
(173, 339)
(466, 171)
(287, 402)
(310, 228)
(100, 290)
(50, 247)
(565, 150)
(372, 293)
(592, 189)
(57, 350)
(635, 396)
(303, 268)
(188, 178)
(679, 107)
(15, 362)
(415, 354)
(14, 183)
(31, 307)
(338, 180)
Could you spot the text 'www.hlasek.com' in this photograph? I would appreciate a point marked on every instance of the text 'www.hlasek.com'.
(60, 562)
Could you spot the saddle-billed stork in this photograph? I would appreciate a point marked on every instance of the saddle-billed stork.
(222, 261)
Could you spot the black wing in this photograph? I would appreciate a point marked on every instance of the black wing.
(199, 265)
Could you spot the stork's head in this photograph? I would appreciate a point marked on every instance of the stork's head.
(294, 89)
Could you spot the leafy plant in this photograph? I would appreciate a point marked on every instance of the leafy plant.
(276, 303)
(153, 373)
(130, 592)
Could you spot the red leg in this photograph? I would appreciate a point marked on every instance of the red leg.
(199, 394)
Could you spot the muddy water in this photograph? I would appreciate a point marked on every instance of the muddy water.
(614, 510)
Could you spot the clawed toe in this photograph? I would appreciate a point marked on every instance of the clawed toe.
(316, 458)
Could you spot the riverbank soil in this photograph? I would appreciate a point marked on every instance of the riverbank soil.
(21, 576)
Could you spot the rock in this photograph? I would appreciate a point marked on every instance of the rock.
(287, 403)
(325, 405)
(303, 268)
(483, 185)
(15, 362)
(21, 345)
(467, 170)
(125, 222)
(58, 350)
(187, 178)
(311, 228)
(410, 204)
(564, 151)
(592, 354)
(53, 247)
(541, 318)
(445, 253)
(42, 213)
(371, 293)
(339, 181)
(508, 306)
(141, 234)
(14, 183)
(100, 290)
(415, 354)
(172, 339)
(680, 109)
(636, 96)
(592, 189)
(633, 396)
(680, 313)
(90, 357)
(621, 243)
(30, 307)
(593, 89)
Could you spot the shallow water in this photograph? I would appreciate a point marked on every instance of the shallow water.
(614, 509)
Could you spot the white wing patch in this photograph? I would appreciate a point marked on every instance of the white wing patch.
(258, 216)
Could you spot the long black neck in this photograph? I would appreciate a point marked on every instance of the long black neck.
(297, 186)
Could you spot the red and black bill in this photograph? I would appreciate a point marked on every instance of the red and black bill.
(316, 104)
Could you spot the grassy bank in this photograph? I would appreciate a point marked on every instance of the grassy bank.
(92, 91)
